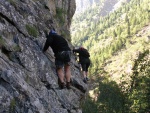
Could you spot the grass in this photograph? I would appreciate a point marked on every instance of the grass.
(60, 15)
(12, 2)
(12, 105)
(32, 30)
(27, 78)
(17, 48)
(122, 63)
(2, 42)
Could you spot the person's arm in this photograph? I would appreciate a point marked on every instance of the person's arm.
(47, 43)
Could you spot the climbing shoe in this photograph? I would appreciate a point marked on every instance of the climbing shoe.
(68, 85)
(62, 85)
(84, 80)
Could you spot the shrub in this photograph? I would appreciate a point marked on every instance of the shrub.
(12, 105)
(59, 14)
(2, 42)
(32, 30)
(12, 2)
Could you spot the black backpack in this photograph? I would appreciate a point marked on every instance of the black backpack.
(84, 53)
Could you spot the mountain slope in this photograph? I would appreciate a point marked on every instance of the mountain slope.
(103, 36)
(119, 44)
(108, 5)
(82, 5)
(123, 61)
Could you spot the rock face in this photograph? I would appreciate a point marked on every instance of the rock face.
(28, 81)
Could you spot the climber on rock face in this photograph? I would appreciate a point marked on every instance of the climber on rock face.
(62, 54)
(84, 61)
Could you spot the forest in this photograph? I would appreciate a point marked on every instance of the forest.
(115, 42)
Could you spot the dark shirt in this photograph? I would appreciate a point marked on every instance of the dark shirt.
(82, 58)
(57, 43)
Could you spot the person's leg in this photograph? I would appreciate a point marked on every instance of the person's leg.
(67, 69)
(60, 74)
(83, 69)
(59, 69)
(87, 76)
(87, 67)
(68, 76)
(84, 74)
(61, 82)
(67, 72)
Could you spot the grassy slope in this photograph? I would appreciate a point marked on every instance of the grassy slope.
(122, 62)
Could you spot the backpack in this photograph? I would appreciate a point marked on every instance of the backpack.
(84, 53)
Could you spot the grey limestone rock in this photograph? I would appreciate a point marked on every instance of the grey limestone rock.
(28, 81)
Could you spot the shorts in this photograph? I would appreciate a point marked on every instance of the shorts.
(85, 65)
(62, 58)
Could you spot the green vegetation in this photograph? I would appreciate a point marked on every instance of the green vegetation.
(140, 82)
(111, 98)
(32, 30)
(60, 15)
(27, 78)
(2, 42)
(12, 105)
(16, 48)
(104, 36)
(108, 98)
(13, 2)
(86, 105)
(120, 54)
(127, 97)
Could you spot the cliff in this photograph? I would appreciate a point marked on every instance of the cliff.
(28, 81)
